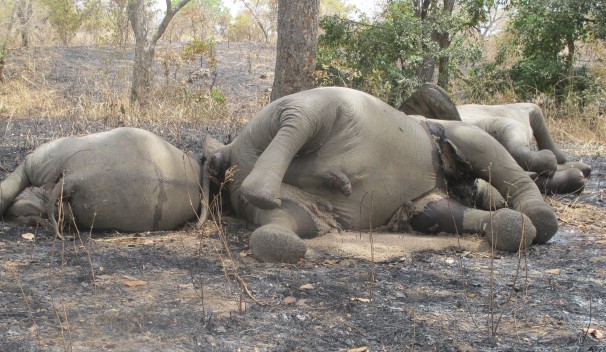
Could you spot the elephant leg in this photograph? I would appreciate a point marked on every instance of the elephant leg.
(488, 197)
(490, 161)
(279, 238)
(585, 168)
(514, 136)
(29, 208)
(505, 229)
(12, 186)
(567, 181)
(298, 127)
(542, 136)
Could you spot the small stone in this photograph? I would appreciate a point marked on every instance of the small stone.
(306, 287)
(289, 300)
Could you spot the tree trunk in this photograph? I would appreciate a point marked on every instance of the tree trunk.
(24, 12)
(443, 39)
(1, 70)
(296, 47)
(145, 45)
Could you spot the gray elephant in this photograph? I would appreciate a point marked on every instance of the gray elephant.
(125, 179)
(514, 126)
(339, 157)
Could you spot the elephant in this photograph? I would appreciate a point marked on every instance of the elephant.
(126, 179)
(336, 157)
(514, 126)
(323, 159)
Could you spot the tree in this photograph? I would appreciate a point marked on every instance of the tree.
(145, 44)
(296, 47)
(264, 14)
(546, 34)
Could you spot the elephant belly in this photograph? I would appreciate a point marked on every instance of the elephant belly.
(146, 205)
(387, 166)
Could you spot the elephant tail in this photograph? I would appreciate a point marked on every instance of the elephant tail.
(12, 186)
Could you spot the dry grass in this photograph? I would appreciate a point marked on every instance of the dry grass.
(36, 89)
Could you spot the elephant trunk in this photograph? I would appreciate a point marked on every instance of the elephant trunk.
(12, 186)
(205, 199)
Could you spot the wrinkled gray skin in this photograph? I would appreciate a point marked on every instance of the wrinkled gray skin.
(514, 126)
(365, 162)
(126, 179)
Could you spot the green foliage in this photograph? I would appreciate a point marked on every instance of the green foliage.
(202, 49)
(546, 34)
(385, 57)
(216, 95)
(66, 17)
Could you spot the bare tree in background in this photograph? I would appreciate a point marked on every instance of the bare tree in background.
(24, 12)
(145, 45)
(296, 48)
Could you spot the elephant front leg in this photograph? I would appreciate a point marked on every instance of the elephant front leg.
(505, 229)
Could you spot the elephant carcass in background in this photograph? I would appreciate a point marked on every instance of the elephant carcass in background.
(362, 164)
(125, 179)
(514, 126)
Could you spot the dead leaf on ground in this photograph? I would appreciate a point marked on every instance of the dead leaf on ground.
(28, 236)
(289, 300)
(360, 299)
(359, 349)
(595, 333)
(471, 295)
(306, 287)
(135, 283)
(553, 271)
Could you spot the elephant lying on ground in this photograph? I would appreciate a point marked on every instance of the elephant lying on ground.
(126, 179)
(514, 126)
(339, 157)
(307, 163)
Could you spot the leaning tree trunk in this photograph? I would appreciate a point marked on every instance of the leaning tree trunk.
(296, 47)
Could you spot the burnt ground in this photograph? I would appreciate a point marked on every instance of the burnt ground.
(200, 290)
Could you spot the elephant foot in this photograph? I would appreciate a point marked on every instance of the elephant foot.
(338, 180)
(261, 191)
(276, 244)
(569, 180)
(585, 168)
(509, 230)
(543, 218)
(543, 162)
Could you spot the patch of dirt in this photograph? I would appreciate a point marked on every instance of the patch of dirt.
(200, 290)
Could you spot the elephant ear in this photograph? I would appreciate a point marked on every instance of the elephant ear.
(215, 162)
(455, 165)
(432, 102)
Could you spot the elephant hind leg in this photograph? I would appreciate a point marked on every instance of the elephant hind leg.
(570, 180)
(585, 168)
(505, 229)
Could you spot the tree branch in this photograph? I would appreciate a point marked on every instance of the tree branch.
(170, 12)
